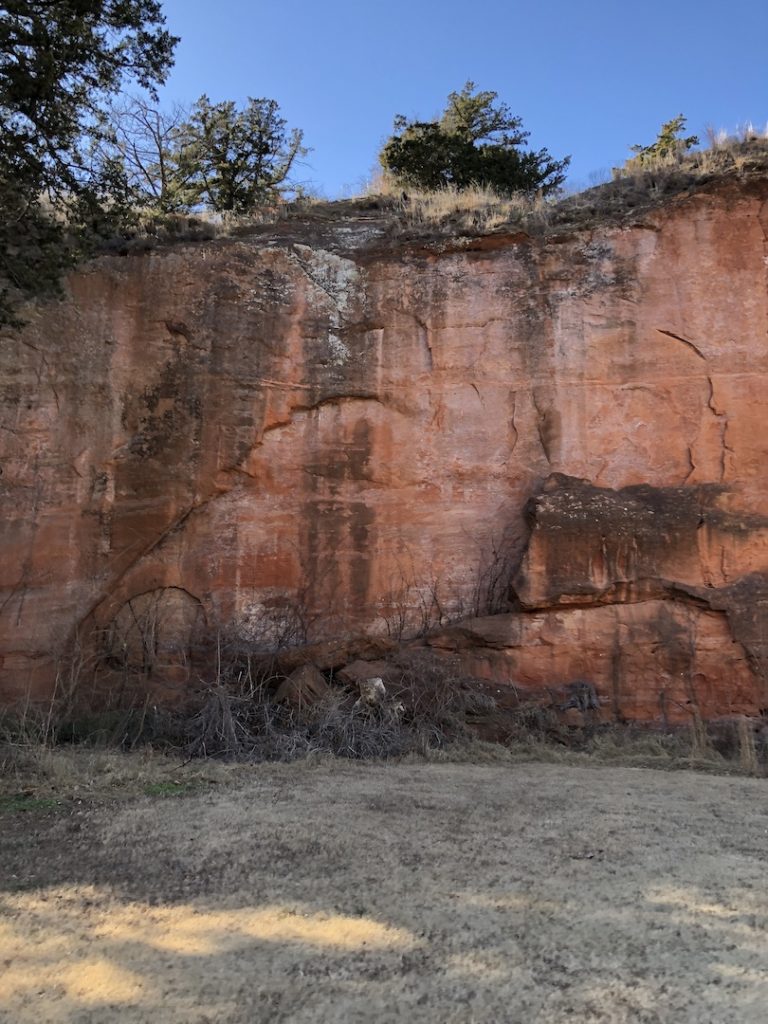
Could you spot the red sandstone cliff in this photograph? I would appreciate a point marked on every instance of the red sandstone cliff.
(290, 437)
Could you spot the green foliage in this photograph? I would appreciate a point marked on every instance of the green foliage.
(23, 802)
(233, 160)
(667, 147)
(213, 155)
(476, 142)
(58, 63)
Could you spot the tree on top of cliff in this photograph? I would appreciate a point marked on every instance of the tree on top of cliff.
(476, 141)
(148, 144)
(58, 63)
(669, 146)
(234, 160)
(213, 155)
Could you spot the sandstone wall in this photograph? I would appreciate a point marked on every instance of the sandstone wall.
(320, 432)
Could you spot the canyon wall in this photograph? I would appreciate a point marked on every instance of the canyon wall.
(322, 430)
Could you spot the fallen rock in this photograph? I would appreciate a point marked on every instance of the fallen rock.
(332, 654)
(359, 670)
(373, 693)
(305, 685)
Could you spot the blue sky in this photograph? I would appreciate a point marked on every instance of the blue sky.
(588, 79)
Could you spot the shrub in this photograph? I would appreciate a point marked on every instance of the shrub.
(475, 142)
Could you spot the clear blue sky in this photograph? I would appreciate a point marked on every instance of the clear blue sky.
(588, 77)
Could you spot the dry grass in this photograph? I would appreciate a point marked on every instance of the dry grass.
(478, 211)
(483, 211)
(637, 188)
(37, 777)
(34, 776)
(431, 712)
(433, 893)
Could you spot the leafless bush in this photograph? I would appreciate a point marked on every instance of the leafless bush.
(221, 728)
(342, 726)
(430, 707)
(435, 697)
(747, 748)
(495, 567)
(255, 728)
(413, 606)
(273, 622)
(426, 707)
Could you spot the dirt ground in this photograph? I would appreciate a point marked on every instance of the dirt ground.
(429, 893)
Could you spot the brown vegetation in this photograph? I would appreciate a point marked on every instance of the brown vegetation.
(479, 211)
(319, 892)
(428, 710)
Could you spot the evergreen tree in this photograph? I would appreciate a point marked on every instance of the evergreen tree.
(670, 144)
(235, 160)
(58, 63)
(476, 142)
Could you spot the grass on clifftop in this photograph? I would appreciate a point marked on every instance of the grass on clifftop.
(472, 212)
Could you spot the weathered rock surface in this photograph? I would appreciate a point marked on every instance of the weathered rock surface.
(290, 442)
(305, 685)
(653, 660)
(358, 671)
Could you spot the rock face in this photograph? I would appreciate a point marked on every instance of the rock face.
(322, 432)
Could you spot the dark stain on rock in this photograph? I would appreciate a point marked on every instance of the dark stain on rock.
(593, 544)
(745, 603)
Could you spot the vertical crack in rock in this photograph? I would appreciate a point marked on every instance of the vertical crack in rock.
(425, 340)
(44, 365)
(513, 424)
(721, 418)
(745, 603)
(543, 427)
(424, 331)
(691, 464)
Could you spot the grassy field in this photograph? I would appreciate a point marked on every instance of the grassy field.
(342, 891)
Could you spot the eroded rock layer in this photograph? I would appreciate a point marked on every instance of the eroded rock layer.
(316, 433)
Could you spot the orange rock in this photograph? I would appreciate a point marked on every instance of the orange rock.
(318, 441)
(357, 672)
(649, 661)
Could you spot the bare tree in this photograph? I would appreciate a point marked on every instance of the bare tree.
(150, 144)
